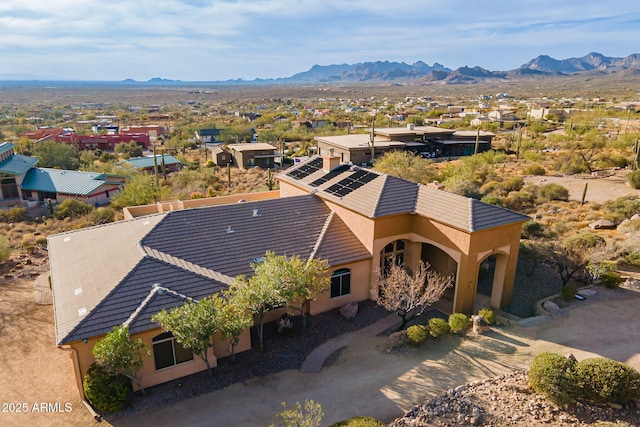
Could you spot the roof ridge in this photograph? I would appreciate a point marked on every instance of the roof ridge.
(188, 266)
(155, 289)
(323, 232)
(385, 177)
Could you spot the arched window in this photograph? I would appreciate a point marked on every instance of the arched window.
(341, 282)
(393, 252)
(168, 352)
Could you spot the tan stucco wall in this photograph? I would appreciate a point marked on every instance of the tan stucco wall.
(150, 376)
(360, 283)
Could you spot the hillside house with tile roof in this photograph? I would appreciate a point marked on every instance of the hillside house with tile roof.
(357, 219)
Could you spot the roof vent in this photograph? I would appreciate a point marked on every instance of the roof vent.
(256, 212)
(78, 291)
(82, 311)
(157, 287)
(230, 230)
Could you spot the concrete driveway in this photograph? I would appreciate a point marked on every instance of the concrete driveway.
(364, 380)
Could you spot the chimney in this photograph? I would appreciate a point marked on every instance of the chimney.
(330, 161)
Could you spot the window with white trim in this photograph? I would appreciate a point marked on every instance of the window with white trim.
(168, 352)
(341, 282)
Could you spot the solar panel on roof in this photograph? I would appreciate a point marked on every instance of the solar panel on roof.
(306, 169)
(329, 176)
(351, 183)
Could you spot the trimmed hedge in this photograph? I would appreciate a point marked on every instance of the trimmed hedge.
(106, 392)
(459, 322)
(416, 335)
(551, 375)
(438, 327)
(603, 380)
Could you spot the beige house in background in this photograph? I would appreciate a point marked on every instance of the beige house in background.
(357, 219)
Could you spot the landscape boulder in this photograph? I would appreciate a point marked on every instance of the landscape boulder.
(551, 307)
(602, 224)
(349, 310)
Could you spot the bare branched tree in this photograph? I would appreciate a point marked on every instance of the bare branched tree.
(408, 295)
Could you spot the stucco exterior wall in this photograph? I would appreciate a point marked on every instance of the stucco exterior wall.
(360, 282)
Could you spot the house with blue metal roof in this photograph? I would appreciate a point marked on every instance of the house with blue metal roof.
(164, 162)
(21, 181)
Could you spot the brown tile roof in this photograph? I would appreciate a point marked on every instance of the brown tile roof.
(387, 195)
(104, 276)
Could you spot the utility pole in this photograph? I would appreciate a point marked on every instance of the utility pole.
(372, 138)
(475, 151)
(155, 164)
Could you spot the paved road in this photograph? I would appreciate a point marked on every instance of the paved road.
(365, 380)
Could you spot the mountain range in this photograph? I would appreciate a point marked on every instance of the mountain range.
(422, 73)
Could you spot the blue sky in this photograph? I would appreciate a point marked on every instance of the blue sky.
(196, 40)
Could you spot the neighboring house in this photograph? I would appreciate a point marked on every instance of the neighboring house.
(502, 116)
(429, 141)
(357, 219)
(42, 134)
(153, 131)
(220, 156)
(163, 162)
(207, 136)
(41, 184)
(13, 168)
(249, 155)
(103, 142)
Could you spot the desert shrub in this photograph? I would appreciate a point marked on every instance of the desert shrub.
(41, 241)
(551, 191)
(71, 208)
(551, 375)
(603, 380)
(107, 157)
(459, 322)
(634, 179)
(534, 169)
(106, 392)
(531, 229)
(623, 207)
(511, 184)
(584, 241)
(493, 200)
(462, 186)
(102, 215)
(5, 249)
(633, 258)
(438, 327)
(610, 279)
(28, 240)
(568, 292)
(488, 314)
(15, 214)
(416, 335)
(359, 422)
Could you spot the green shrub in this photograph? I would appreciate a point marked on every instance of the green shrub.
(551, 191)
(568, 292)
(622, 207)
(5, 249)
(459, 322)
(531, 229)
(534, 169)
(102, 215)
(106, 392)
(416, 334)
(41, 241)
(15, 214)
(551, 375)
(359, 422)
(633, 258)
(634, 179)
(488, 314)
(610, 279)
(438, 327)
(71, 208)
(493, 200)
(603, 380)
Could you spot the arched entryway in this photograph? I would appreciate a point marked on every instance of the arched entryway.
(491, 277)
(443, 264)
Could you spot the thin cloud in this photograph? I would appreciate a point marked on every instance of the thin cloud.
(219, 40)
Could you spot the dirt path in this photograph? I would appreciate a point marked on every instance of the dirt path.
(599, 190)
(37, 384)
